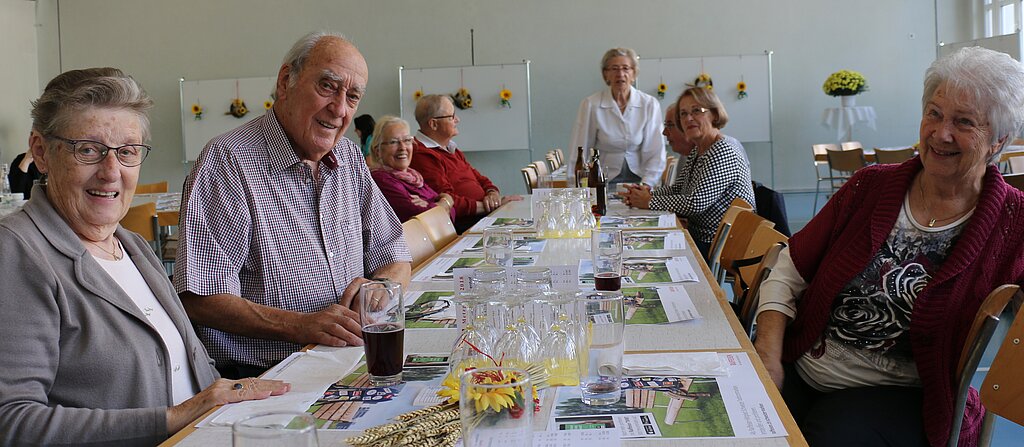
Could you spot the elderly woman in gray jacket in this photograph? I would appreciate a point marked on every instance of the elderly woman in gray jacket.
(96, 348)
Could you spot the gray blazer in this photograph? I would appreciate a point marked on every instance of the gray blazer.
(79, 362)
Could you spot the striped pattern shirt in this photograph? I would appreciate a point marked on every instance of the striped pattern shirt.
(256, 224)
(706, 185)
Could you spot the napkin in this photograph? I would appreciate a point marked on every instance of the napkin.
(674, 364)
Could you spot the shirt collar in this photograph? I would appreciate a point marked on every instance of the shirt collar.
(280, 151)
(608, 102)
(428, 142)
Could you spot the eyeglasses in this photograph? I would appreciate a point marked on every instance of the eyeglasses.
(625, 68)
(90, 152)
(670, 124)
(394, 141)
(444, 117)
(695, 112)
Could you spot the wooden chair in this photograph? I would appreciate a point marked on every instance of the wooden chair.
(541, 167)
(142, 219)
(560, 155)
(820, 152)
(1015, 180)
(151, 188)
(978, 338)
(552, 162)
(893, 156)
(439, 226)
(749, 301)
(530, 178)
(843, 164)
(848, 145)
(419, 243)
(724, 226)
(669, 175)
(736, 242)
(1002, 392)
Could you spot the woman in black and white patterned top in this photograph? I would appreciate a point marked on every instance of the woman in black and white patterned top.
(717, 173)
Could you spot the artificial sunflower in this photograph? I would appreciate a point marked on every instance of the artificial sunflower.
(197, 111)
(496, 398)
(237, 108)
(741, 88)
(462, 99)
(450, 389)
(662, 88)
(417, 95)
(506, 97)
(704, 80)
(268, 104)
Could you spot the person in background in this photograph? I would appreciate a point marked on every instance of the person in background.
(281, 222)
(364, 130)
(401, 185)
(445, 168)
(714, 172)
(623, 123)
(862, 321)
(96, 347)
(23, 174)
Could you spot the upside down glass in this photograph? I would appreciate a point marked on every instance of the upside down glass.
(276, 429)
(496, 407)
(601, 364)
(382, 316)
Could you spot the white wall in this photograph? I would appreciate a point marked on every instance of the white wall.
(20, 75)
(160, 41)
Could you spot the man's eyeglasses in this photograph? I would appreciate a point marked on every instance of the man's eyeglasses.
(695, 112)
(670, 125)
(395, 141)
(90, 152)
(444, 117)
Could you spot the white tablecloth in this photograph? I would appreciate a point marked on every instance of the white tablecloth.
(843, 118)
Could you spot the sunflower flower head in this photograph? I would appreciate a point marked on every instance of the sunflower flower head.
(268, 104)
(417, 95)
(197, 111)
(450, 389)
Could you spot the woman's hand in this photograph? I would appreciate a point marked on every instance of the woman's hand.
(771, 328)
(221, 392)
(26, 161)
(638, 196)
(418, 201)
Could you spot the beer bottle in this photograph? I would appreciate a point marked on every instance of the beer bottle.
(597, 181)
(580, 170)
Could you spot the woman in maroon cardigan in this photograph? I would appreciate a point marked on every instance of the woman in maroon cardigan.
(862, 322)
(402, 186)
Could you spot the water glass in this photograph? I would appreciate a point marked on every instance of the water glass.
(602, 352)
(382, 315)
(606, 251)
(499, 245)
(496, 407)
(277, 429)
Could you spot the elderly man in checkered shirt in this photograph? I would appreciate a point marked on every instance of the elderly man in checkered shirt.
(281, 222)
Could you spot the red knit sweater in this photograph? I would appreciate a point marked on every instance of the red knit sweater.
(451, 173)
(840, 241)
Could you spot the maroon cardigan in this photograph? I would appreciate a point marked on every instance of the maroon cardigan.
(850, 229)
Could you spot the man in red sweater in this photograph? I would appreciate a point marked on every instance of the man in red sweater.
(444, 167)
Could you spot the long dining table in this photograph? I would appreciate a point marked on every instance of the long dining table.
(717, 330)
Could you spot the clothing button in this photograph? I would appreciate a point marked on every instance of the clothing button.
(330, 254)
(177, 368)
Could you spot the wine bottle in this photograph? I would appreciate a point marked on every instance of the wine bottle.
(580, 170)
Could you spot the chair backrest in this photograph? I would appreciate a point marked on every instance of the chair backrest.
(560, 155)
(848, 161)
(1015, 180)
(724, 226)
(847, 145)
(736, 242)
(530, 178)
(142, 219)
(1002, 392)
(552, 162)
(749, 301)
(419, 243)
(669, 175)
(819, 149)
(893, 156)
(984, 325)
(744, 269)
(440, 229)
(541, 167)
(151, 188)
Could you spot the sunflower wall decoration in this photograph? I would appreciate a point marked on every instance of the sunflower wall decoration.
(704, 80)
(506, 97)
(197, 111)
(268, 104)
(741, 90)
(662, 88)
(462, 99)
(237, 108)
(417, 95)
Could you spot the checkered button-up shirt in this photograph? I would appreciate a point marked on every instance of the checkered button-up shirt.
(706, 185)
(256, 224)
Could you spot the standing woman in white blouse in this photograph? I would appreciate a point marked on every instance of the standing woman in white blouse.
(96, 347)
(623, 123)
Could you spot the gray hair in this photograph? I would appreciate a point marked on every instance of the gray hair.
(378, 132)
(616, 52)
(77, 90)
(296, 57)
(993, 81)
(428, 107)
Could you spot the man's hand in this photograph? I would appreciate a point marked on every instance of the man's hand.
(334, 326)
(491, 201)
(350, 297)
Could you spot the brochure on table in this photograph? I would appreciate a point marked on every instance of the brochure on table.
(513, 223)
(474, 244)
(639, 221)
(443, 268)
(653, 240)
(645, 270)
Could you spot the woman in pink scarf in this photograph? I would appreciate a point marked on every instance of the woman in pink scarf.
(401, 185)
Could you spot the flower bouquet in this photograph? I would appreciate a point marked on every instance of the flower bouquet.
(462, 99)
(496, 404)
(845, 83)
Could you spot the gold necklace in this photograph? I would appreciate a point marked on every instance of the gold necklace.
(112, 253)
(924, 202)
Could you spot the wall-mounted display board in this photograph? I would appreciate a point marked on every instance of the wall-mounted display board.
(489, 125)
(215, 97)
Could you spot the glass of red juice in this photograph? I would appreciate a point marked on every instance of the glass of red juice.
(606, 252)
(382, 316)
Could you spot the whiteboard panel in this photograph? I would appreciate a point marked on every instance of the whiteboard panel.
(215, 97)
(487, 126)
(1009, 44)
(749, 118)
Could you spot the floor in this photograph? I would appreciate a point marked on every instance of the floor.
(799, 210)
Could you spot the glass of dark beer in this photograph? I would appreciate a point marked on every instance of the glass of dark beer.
(382, 316)
(606, 251)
